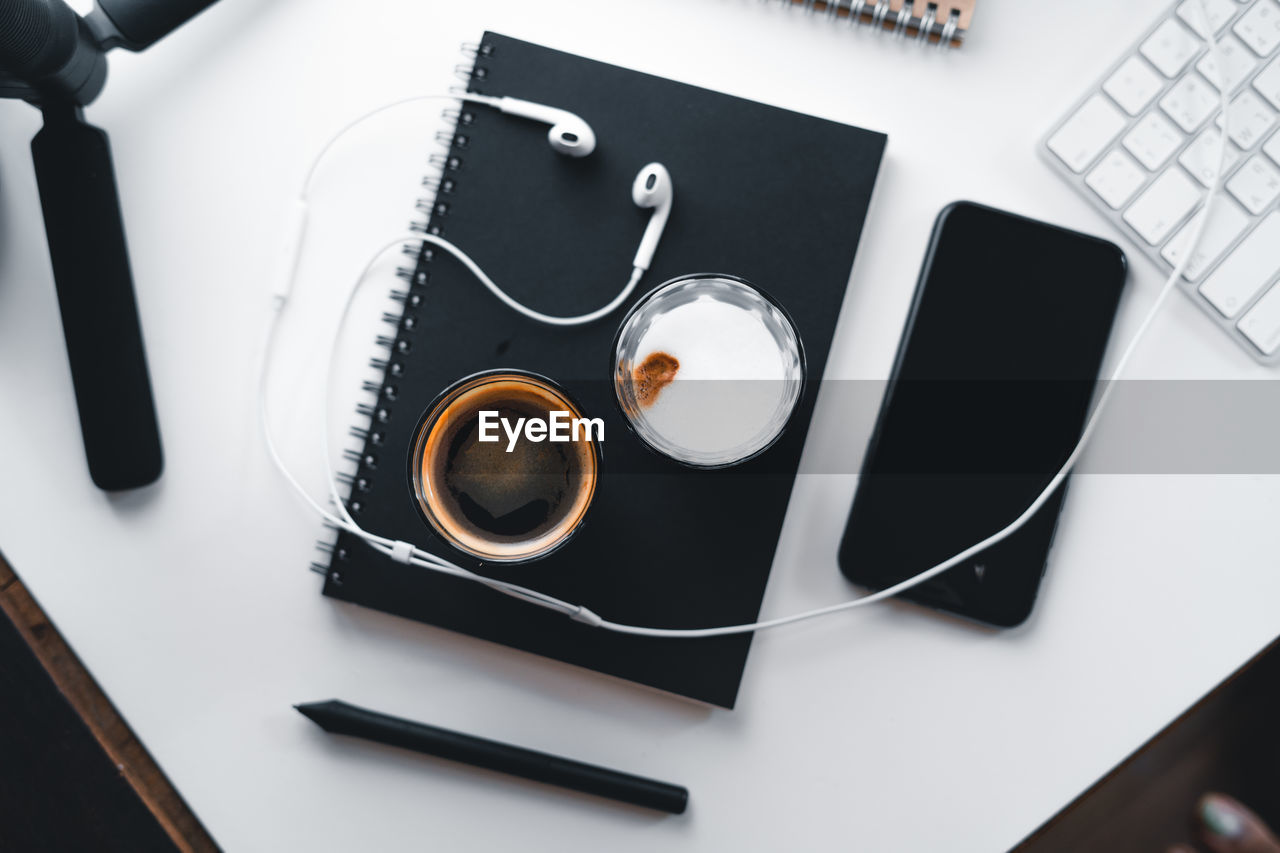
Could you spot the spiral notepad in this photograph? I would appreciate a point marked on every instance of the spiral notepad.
(559, 234)
(942, 23)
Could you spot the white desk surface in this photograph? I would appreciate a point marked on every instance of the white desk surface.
(889, 729)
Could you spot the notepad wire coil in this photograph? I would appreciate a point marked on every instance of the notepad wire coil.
(360, 461)
(919, 20)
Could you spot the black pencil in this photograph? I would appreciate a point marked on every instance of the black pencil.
(341, 718)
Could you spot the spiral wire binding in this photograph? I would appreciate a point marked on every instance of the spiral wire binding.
(916, 19)
(359, 465)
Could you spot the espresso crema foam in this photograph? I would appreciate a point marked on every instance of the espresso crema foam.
(710, 376)
(491, 502)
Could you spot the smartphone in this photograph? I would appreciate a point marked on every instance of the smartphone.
(989, 393)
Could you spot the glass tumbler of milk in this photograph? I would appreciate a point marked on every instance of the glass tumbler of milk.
(708, 369)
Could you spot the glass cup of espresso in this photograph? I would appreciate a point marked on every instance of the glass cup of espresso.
(495, 490)
(708, 370)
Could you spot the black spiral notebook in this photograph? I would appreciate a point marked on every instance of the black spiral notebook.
(772, 196)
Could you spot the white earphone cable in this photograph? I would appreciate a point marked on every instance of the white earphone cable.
(407, 553)
(304, 196)
(487, 100)
(581, 319)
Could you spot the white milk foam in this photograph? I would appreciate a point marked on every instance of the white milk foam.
(715, 340)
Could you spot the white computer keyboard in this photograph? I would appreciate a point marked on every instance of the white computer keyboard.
(1141, 144)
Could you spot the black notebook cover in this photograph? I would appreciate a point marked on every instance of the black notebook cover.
(772, 196)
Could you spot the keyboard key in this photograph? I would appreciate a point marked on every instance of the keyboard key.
(1257, 184)
(1153, 140)
(1227, 223)
(1190, 102)
(1163, 204)
(1268, 82)
(1084, 136)
(1246, 270)
(1133, 85)
(1260, 27)
(1272, 148)
(1262, 324)
(1249, 118)
(1220, 12)
(1115, 179)
(1200, 158)
(1171, 47)
(1239, 60)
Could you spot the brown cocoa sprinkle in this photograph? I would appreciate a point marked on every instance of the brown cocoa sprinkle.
(652, 375)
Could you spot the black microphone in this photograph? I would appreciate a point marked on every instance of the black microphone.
(49, 52)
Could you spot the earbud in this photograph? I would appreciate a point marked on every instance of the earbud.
(652, 188)
(569, 134)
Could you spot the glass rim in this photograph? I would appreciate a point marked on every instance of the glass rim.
(425, 425)
(670, 284)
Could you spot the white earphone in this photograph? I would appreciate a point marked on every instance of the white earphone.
(652, 189)
(568, 135)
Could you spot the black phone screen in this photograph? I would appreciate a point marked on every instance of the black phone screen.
(988, 396)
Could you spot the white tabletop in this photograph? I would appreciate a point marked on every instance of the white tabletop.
(891, 728)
